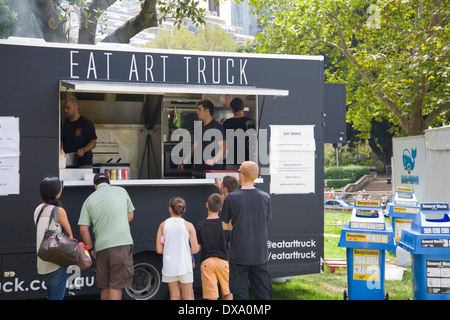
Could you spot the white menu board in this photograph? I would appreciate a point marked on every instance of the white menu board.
(292, 159)
(9, 155)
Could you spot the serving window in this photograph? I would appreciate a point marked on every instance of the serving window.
(134, 124)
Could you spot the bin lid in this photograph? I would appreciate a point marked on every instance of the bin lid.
(430, 231)
(367, 214)
(405, 196)
(367, 239)
(402, 211)
(405, 204)
(433, 218)
(367, 229)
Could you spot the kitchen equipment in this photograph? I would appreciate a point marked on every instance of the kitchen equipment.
(107, 158)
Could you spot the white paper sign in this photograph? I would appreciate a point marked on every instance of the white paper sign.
(292, 159)
(9, 175)
(9, 155)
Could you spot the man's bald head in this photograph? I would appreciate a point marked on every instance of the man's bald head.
(250, 170)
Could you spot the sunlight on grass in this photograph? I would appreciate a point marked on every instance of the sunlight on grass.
(323, 286)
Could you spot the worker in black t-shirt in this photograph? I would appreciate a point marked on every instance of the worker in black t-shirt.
(78, 134)
(239, 121)
(213, 141)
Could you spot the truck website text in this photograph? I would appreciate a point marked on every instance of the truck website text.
(74, 281)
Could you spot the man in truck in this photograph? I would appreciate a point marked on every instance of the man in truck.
(216, 144)
(78, 134)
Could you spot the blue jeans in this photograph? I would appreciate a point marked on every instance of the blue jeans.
(56, 282)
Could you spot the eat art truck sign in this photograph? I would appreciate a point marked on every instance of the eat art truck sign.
(97, 65)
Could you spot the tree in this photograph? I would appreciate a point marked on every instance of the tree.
(206, 39)
(7, 19)
(51, 22)
(393, 56)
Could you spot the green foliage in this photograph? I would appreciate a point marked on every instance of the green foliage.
(337, 183)
(352, 173)
(7, 19)
(392, 54)
(352, 154)
(207, 39)
(338, 177)
(180, 9)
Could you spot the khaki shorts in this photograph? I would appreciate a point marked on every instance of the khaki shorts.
(115, 267)
(213, 270)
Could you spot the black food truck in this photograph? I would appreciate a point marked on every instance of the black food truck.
(137, 98)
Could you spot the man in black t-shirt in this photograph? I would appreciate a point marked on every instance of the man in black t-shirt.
(246, 212)
(78, 134)
(239, 121)
(213, 141)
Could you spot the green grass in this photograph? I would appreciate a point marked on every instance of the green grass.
(320, 286)
(329, 286)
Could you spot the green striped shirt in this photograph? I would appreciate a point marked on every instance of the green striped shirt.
(107, 210)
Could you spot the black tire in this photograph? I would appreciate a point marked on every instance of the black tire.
(147, 280)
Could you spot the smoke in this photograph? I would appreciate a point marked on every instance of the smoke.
(25, 24)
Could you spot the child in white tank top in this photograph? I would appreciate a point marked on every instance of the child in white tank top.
(180, 242)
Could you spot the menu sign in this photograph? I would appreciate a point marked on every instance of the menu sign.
(292, 159)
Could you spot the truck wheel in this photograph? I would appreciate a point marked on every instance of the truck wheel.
(147, 284)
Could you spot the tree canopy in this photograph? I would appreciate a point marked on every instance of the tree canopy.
(393, 56)
(206, 39)
(7, 19)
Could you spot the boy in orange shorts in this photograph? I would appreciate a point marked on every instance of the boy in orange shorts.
(213, 241)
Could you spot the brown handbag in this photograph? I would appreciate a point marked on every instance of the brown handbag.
(56, 247)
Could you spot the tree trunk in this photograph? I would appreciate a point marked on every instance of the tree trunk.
(146, 18)
(380, 140)
(48, 19)
(88, 23)
(415, 126)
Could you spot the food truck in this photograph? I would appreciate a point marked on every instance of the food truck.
(137, 98)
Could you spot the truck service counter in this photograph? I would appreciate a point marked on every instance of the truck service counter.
(151, 182)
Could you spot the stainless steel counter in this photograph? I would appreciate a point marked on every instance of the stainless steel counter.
(149, 182)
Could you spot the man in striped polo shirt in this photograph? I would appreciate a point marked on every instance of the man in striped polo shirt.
(109, 209)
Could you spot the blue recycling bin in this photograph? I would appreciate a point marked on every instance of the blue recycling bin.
(402, 210)
(428, 241)
(366, 238)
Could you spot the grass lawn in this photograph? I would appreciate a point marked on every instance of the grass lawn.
(329, 286)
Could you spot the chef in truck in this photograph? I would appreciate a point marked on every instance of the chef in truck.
(78, 134)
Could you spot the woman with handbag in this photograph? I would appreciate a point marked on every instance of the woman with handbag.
(54, 275)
